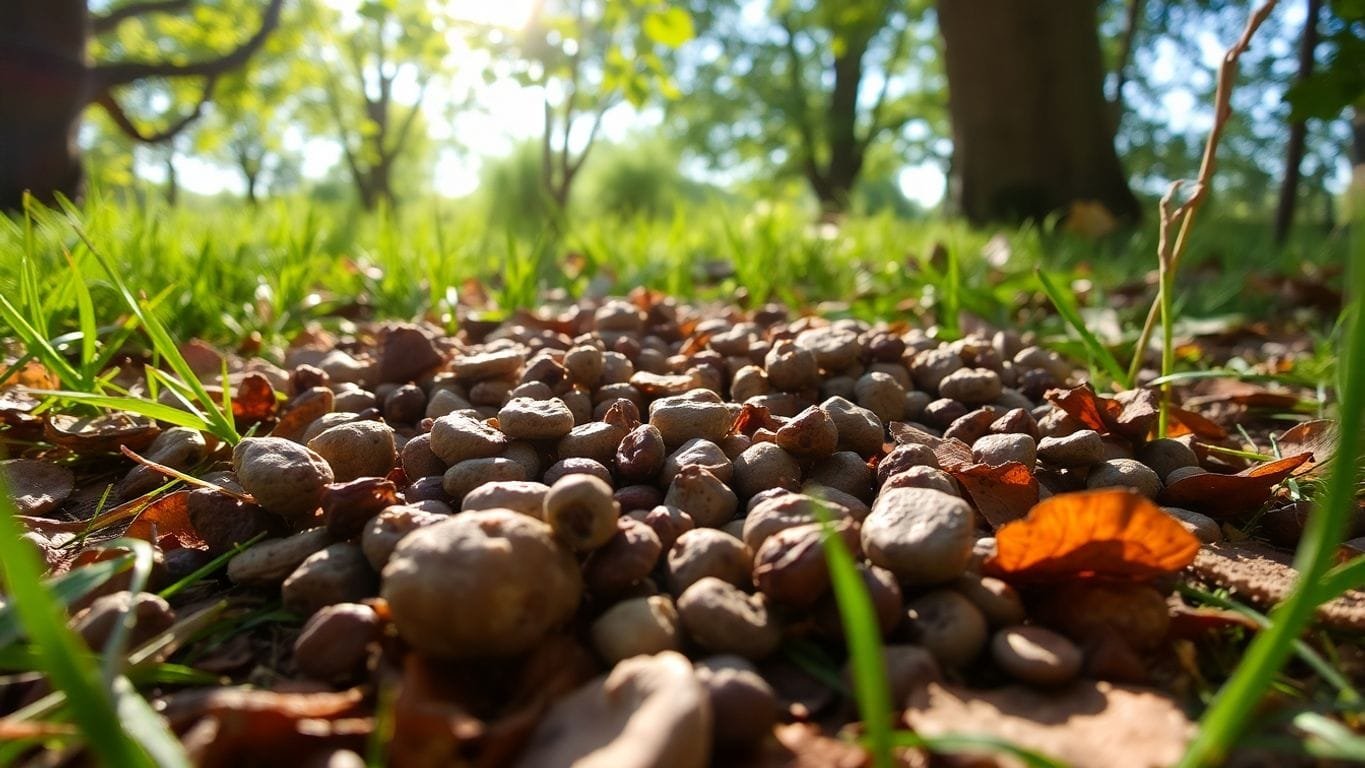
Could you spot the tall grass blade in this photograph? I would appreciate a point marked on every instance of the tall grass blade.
(1099, 353)
(1235, 703)
(64, 660)
(863, 635)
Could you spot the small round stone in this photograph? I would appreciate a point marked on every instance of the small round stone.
(357, 449)
(948, 625)
(1036, 656)
(923, 536)
(1078, 449)
(995, 450)
(1166, 455)
(1204, 528)
(527, 419)
(1124, 473)
(971, 386)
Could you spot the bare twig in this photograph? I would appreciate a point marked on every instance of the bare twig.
(1170, 252)
(181, 476)
(125, 123)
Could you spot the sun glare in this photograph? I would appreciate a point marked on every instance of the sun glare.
(512, 14)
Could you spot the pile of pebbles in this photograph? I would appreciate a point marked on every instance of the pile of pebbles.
(651, 479)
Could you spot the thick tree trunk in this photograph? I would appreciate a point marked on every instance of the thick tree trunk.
(1032, 132)
(1298, 130)
(44, 86)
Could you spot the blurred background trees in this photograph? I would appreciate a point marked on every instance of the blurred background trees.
(989, 109)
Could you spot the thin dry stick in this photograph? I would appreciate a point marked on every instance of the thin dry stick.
(1170, 253)
(181, 476)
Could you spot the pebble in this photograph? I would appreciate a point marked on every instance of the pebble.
(1166, 456)
(527, 419)
(923, 536)
(1036, 656)
(1204, 528)
(640, 626)
(859, 429)
(721, 618)
(995, 450)
(972, 386)
(338, 573)
(1077, 449)
(948, 625)
(357, 449)
(1124, 473)
(285, 478)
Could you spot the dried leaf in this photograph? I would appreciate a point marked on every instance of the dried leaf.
(166, 523)
(1000, 494)
(1110, 533)
(1240, 393)
(246, 726)
(254, 401)
(1265, 576)
(752, 418)
(32, 374)
(802, 745)
(1221, 496)
(951, 452)
(1318, 438)
(1130, 414)
(1185, 422)
(36, 487)
(431, 725)
(105, 433)
(1086, 725)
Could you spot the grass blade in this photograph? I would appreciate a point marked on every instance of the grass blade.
(149, 408)
(65, 590)
(863, 635)
(1098, 352)
(1235, 703)
(62, 654)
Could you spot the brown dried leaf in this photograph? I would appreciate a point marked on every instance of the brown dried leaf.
(951, 453)
(431, 726)
(1265, 576)
(254, 401)
(1086, 725)
(802, 745)
(1185, 422)
(36, 487)
(1318, 438)
(166, 523)
(1221, 496)
(1241, 393)
(105, 433)
(752, 418)
(1112, 533)
(1000, 494)
(247, 726)
(1130, 414)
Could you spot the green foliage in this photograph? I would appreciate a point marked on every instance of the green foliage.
(1340, 83)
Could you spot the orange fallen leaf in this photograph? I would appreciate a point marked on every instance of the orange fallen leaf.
(254, 402)
(1114, 534)
(1130, 414)
(1226, 495)
(166, 523)
(1185, 422)
(1317, 437)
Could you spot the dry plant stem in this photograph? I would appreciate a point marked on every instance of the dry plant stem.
(1227, 73)
(1164, 270)
(245, 498)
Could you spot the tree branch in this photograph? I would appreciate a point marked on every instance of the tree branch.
(110, 21)
(108, 76)
(571, 169)
(408, 121)
(1134, 20)
(125, 124)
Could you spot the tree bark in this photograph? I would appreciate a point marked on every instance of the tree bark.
(47, 81)
(1032, 132)
(1298, 131)
(43, 89)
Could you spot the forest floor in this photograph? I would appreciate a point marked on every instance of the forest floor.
(664, 529)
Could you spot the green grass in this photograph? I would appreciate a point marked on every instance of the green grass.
(117, 724)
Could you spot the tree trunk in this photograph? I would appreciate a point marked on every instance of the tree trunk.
(44, 86)
(835, 189)
(1298, 130)
(251, 199)
(1032, 132)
